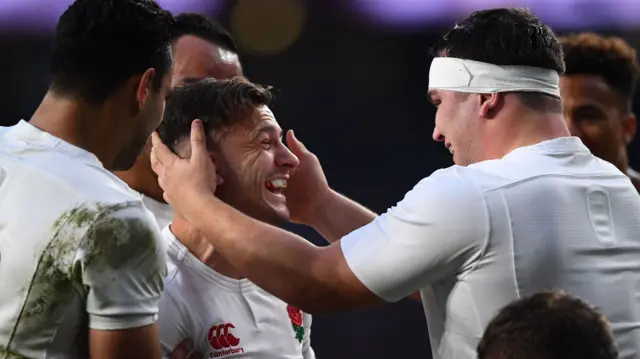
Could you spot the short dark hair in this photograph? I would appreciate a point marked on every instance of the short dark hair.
(219, 104)
(506, 36)
(609, 57)
(100, 44)
(548, 325)
(200, 26)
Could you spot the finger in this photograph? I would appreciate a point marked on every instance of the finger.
(182, 350)
(160, 151)
(199, 151)
(297, 147)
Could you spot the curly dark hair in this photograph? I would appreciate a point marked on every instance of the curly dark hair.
(219, 104)
(100, 44)
(609, 57)
(548, 325)
(200, 26)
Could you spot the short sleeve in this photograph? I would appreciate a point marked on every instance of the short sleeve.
(122, 265)
(172, 323)
(436, 231)
(307, 350)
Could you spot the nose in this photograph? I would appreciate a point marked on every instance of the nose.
(437, 136)
(286, 158)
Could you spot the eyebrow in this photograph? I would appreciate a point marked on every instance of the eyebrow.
(268, 128)
(588, 107)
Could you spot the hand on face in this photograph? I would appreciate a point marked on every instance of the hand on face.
(185, 180)
(307, 187)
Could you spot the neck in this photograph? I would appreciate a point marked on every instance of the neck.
(142, 179)
(635, 177)
(200, 247)
(77, 123)
(622, 162)
(525, 130)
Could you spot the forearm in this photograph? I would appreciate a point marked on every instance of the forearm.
(338, 216)
(282, 263)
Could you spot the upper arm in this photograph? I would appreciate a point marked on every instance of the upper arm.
(121, 264)
(172, 322)
(434, 232)
(137, 343)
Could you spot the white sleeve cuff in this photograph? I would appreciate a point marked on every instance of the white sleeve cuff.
(122, 322)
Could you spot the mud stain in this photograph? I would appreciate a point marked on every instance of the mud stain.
(88, 242)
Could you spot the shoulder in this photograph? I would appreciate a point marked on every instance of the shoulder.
(82, 177)
(446, 193)
(116, 235)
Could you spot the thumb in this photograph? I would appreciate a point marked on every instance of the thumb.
(295, 145)
(198, 142)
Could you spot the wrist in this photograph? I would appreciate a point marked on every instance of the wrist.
(198, 204)
(323, 208)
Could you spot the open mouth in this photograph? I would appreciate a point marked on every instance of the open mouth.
(276, 186)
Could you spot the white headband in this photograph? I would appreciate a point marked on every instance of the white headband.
(453, 74)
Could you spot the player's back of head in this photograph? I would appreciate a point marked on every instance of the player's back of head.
(506, 36)
(198, 25)
(548, 325)
(612, 58)
(100, 44)
(219, 104)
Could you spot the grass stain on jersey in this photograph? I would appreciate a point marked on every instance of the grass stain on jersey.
(90, 244)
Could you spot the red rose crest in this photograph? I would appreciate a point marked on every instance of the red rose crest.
(295, 315)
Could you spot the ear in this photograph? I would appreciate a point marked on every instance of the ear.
(489, 104)
(218, 160)
(144, 87)
(629, 126)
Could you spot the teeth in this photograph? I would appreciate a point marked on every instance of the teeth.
(278, 183)
(451, 149)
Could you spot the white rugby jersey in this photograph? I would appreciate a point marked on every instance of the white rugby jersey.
(475, 238)
(78, 250)
(226, 317)
(162, 212)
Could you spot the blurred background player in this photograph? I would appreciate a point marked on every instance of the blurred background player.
(82, 260)
(201, 48)
(597, 89)
(548, 325)
(206, 299)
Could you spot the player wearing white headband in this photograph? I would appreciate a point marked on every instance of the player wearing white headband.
(525, 208)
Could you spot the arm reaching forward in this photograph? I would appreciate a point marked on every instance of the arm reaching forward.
(399, 252)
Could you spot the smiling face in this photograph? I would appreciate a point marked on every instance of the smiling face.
(255, 165)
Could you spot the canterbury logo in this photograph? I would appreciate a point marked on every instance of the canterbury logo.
(219, 336)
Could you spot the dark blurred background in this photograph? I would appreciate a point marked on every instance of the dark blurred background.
(352, 77)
